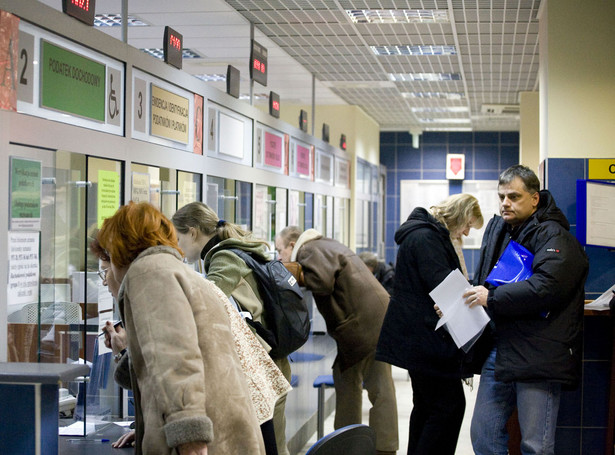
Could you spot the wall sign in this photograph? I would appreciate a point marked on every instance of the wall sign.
(72, 83)
(455, 166)
(601, 169)
(170, 115)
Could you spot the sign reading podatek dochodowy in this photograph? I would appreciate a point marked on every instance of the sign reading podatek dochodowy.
(170, 114)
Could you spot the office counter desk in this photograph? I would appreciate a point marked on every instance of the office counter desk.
(29, 411)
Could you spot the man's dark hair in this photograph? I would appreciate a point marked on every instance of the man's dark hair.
(527, 176)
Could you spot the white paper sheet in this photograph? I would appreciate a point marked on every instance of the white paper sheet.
(602, 302)
(465, 324)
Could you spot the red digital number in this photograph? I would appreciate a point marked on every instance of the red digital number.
(175, 42)
(263, 68)
(83, 4)
(276, 106)
(257, 65)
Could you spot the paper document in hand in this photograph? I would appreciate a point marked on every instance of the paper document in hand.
(465, 324)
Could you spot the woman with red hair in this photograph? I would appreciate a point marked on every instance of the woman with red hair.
(190, 392)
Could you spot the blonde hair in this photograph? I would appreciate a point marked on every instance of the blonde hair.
(457, 210)
(200, 216)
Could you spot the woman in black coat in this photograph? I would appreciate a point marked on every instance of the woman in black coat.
(408, 338)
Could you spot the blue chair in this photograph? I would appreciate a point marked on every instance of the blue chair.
(356, 439)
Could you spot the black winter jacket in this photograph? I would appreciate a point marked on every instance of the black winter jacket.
(408, 338)
(538, 322)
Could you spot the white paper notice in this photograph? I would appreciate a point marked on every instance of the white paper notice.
(465, 324)
(602, 302)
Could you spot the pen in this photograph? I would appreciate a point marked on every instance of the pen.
(115, 324)
(88, 440)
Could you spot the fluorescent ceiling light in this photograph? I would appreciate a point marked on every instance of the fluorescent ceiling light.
(406, 77)
(444, 120)
(440, 109)
(441, 95)
(414, 50)
(115, 20)
(159, 53)
(458, 129)
(211, 77)
(394, 16)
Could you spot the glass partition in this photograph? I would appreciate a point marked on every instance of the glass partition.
(341, 223)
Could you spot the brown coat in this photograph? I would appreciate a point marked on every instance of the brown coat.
(351, 300)
(186, 375)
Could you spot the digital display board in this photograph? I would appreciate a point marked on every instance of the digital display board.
(274, 104)
(303, 120)
(325, 132)
(232, 81)
(172, 47)
(82, 10)
(343, 142)
(258, 63)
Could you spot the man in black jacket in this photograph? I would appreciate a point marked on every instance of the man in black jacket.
(537, 322)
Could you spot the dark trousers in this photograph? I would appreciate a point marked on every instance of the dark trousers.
(269, 437)
(439, 405)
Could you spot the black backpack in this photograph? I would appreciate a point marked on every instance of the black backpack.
(287, 315)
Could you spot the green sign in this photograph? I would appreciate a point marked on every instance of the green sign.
(72, 83)
(25, 194)
(108, 196)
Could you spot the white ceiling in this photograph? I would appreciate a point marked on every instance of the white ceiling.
(496, 43)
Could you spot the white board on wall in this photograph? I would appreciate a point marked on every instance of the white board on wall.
(420, 193)
(486, 191)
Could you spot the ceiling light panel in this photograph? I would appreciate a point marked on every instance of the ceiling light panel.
(409, 77)
(414, 50)
(159, 53)
(115, 20)
(381, 16)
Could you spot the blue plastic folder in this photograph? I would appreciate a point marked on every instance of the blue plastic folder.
(514, 265)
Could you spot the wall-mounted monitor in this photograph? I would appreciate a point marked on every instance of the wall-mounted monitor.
(303, 120)
(232, 81)
(596, 213)
(274, 104)
(172, 47)
(258, 63)
(81, 10)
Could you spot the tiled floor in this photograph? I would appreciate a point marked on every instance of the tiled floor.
(404, 407)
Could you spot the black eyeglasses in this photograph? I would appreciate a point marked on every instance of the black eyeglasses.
(102, 273)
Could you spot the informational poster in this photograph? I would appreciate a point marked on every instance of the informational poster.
(231, 136)
(108, 197)
(596, 213)
(187, 193)
(293, 208)
(25, 194)
(170, 114)
(342, 173)
(24, 267)
(262, 219)
(324, 167)
(303, 157)
(273, 150)
(139, 191)
(9, 35)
